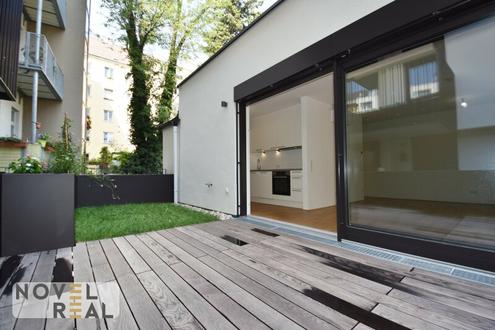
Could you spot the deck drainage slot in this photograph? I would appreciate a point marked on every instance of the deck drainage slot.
(264, 232)
(234, 240)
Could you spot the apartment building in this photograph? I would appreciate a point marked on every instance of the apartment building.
(58, 62)
(108, 98)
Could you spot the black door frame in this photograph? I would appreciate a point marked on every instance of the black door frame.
(421, 30)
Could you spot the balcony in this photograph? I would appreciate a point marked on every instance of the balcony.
(54, 12)
(51, 78)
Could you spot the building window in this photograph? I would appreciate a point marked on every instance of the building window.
(108, 115)
(419, 161)
(14, 123)
(107, 137)
(108, 72)
(88, 111)
(108, 94)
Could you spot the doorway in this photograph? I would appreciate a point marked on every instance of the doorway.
(291, 156)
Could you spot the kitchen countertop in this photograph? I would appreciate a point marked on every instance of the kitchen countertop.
(277, 169)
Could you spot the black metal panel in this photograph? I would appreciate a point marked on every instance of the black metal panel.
(37, 212)
(10, 33)
(393, 17)
(243, 159)
(124, 189)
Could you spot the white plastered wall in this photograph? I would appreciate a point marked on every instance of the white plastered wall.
(208, 131)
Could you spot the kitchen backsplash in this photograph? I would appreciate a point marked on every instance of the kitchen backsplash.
(272, 160)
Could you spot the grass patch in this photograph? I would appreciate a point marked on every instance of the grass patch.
(93, 223)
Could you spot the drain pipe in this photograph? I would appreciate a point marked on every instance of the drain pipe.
(176, 163)
(34, 106)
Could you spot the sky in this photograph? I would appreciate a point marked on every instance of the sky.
(98, 19)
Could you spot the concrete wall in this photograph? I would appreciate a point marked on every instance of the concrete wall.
(168, 150)
(318, 154)
(208, 131)
(68, 47)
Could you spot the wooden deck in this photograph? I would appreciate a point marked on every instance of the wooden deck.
(225, 275)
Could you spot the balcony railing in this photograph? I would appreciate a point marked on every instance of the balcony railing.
(51, 74)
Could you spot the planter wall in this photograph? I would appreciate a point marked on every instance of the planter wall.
(36, 212)
(129, 189)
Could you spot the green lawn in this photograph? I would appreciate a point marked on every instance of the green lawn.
(94, 223)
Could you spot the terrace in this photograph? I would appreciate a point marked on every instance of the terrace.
(232, 274)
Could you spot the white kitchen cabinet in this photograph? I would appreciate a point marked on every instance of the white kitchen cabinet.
(278, 129)
(261, 184)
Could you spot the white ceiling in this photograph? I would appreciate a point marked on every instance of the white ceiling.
(320, 89)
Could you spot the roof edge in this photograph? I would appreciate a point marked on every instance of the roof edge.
(231, 41)
(172, 122)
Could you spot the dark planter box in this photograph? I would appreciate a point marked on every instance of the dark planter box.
(36, 212)
(128, 189)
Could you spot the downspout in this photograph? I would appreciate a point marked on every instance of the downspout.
(34, 106)
(176, 163)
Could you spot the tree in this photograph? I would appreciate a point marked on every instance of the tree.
(187, 20)
(141, 22)
(235, 15)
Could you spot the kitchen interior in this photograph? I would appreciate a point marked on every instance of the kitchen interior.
(292, 156)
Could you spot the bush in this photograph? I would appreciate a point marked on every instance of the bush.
(66, 157)
(26, 165)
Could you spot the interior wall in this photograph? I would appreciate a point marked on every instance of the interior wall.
(318, 151)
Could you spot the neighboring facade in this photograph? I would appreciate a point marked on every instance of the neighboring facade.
(108, 98)
(414, 118)
(60, 70)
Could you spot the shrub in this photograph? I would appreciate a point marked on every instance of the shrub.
(26, 165)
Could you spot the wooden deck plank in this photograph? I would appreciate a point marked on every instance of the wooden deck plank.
(102, 273)
(241, 318)
(133, 259)
(473, 304)
(205, 313)
(22, 273)
(465, 318)
(262, 311)
(42, 273)
(208, 236)
(315, 262)
(99, 263)
(172, 309)
(406, 320)
(159, 250)
(195, 237)
(144, 310)
(84, 273)
(313, 306)
(366, 303)
(277, 302)
(62, 324)
(187, 247)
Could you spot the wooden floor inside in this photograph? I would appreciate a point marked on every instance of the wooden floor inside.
(229, 274)
(323, 219)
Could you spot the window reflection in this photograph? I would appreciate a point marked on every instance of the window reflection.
(421, 140)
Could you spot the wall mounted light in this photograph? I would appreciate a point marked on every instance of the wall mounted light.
(464, 104)
(224, 104)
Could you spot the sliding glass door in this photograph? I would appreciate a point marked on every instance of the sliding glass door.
(420, 141)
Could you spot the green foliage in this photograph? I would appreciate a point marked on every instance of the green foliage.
(26, 165)
(141, 23)
(188, 21)
(233, 17)
(93, 223)
(105, 157)
(66, 157)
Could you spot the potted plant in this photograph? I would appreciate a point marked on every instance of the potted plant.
(26, 165)
(43, 140)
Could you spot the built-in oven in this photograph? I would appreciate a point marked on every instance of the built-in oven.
(281, 183)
